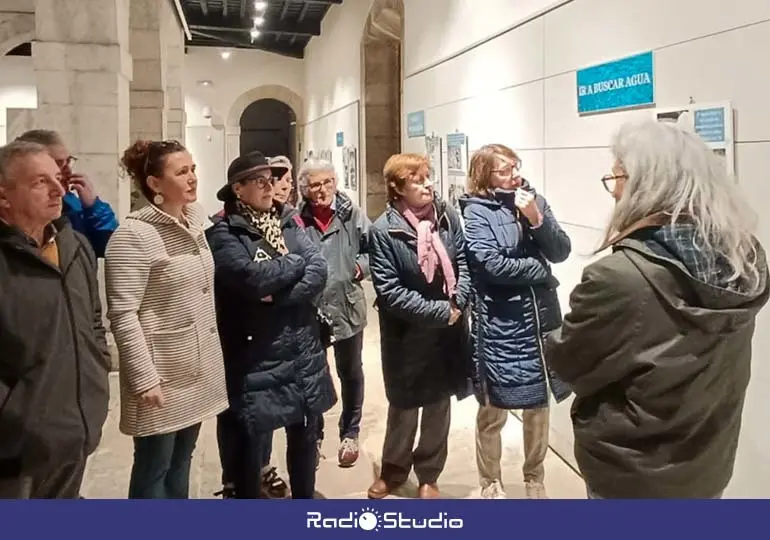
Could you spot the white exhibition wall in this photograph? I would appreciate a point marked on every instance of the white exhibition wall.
(520, 89)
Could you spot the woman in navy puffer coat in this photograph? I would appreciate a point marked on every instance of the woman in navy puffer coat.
(268, 275)
(511, 235)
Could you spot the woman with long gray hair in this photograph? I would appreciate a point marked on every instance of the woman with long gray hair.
(657, 345)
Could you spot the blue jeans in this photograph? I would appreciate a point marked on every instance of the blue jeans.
(162, 465)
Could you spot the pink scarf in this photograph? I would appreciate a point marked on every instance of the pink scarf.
(430, 249)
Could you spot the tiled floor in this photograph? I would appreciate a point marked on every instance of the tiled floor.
(109, 468)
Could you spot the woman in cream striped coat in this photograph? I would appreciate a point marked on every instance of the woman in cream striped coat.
(160, 275)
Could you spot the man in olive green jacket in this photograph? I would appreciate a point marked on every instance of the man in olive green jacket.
(657, 348)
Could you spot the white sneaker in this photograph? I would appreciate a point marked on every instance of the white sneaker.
(493, 491)
(535, 490)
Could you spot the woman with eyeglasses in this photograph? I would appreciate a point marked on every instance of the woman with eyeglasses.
(268, 276)
(417, 263)
(160, 276)
(657, 345)
(512, 237)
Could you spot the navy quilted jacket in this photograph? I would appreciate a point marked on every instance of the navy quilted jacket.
(515, 302)
(275, 363)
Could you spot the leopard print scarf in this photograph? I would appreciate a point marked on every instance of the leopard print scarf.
(266, 222)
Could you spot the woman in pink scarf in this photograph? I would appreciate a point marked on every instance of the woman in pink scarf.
(417, 262)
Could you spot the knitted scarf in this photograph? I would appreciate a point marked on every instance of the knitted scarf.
(266, 222)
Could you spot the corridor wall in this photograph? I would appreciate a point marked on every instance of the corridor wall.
(519, 88)
(333, 84)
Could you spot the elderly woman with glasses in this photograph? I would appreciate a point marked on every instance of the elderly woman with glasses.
(512, 237)
(657, 345)
(339, 227)
(268, 275)
(417, 260)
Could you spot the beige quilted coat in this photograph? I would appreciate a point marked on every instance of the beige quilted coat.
(160, 281)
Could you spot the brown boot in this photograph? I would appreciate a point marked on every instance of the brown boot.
(380, 489)
(429, 491)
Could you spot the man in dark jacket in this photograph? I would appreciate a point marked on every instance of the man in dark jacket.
(89, 215)
(340, 228)
(54, 359)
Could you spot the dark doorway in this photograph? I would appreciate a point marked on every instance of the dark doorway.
(269, 125)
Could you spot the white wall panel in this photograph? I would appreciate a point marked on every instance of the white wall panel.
(435, 30)
(712, 69)
(513, 58)
(587, 32)
(574, 188)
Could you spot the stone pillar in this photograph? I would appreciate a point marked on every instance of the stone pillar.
(174, 50)
(381, 118)
(148, 87)
(83, 69)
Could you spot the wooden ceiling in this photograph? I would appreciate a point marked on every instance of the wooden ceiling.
(287, 26)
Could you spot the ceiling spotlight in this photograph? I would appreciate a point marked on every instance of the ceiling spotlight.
(259, 6)
(254, 34)
(225, 55)
(259, 21)
(205, 83)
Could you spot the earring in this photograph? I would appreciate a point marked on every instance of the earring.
(157, 199)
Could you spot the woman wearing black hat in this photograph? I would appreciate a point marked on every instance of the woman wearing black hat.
(268, 274)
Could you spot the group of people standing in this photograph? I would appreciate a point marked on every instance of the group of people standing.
(231, 316)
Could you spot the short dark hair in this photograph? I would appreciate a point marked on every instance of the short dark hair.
(46, 137)
(15, 150)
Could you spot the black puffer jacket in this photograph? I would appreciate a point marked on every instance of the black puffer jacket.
(274, 360)
(54, 359)
(424, 360)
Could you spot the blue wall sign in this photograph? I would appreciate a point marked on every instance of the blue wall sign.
(340, 139)
(415, 124)
(622, 84)
(710, 124)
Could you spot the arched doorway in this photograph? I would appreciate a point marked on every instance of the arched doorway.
(381, 52)
(268, 125)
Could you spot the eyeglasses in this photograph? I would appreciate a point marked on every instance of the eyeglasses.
(508, 170)
(609, 181)
(66, 162)
(316, 186)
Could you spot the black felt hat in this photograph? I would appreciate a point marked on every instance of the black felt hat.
(252, 162)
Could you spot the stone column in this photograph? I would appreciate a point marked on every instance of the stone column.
(83, 68)
(148, 87)
(174, 49)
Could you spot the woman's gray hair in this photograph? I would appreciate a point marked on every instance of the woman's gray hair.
(671, 170)
(282, 161)
(310, 167)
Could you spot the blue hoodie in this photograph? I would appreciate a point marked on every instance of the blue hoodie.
(97, 222)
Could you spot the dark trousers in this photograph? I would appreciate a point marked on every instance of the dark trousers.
(348, 359)
(244, 453)
(398, 452)
(58, 483)
(227, 441)
(162, 465)
(300, 460)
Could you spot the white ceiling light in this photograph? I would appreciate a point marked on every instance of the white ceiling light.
(260, 6)
(254, 34)
(205, 83)
(225, 55)
(259, 21)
